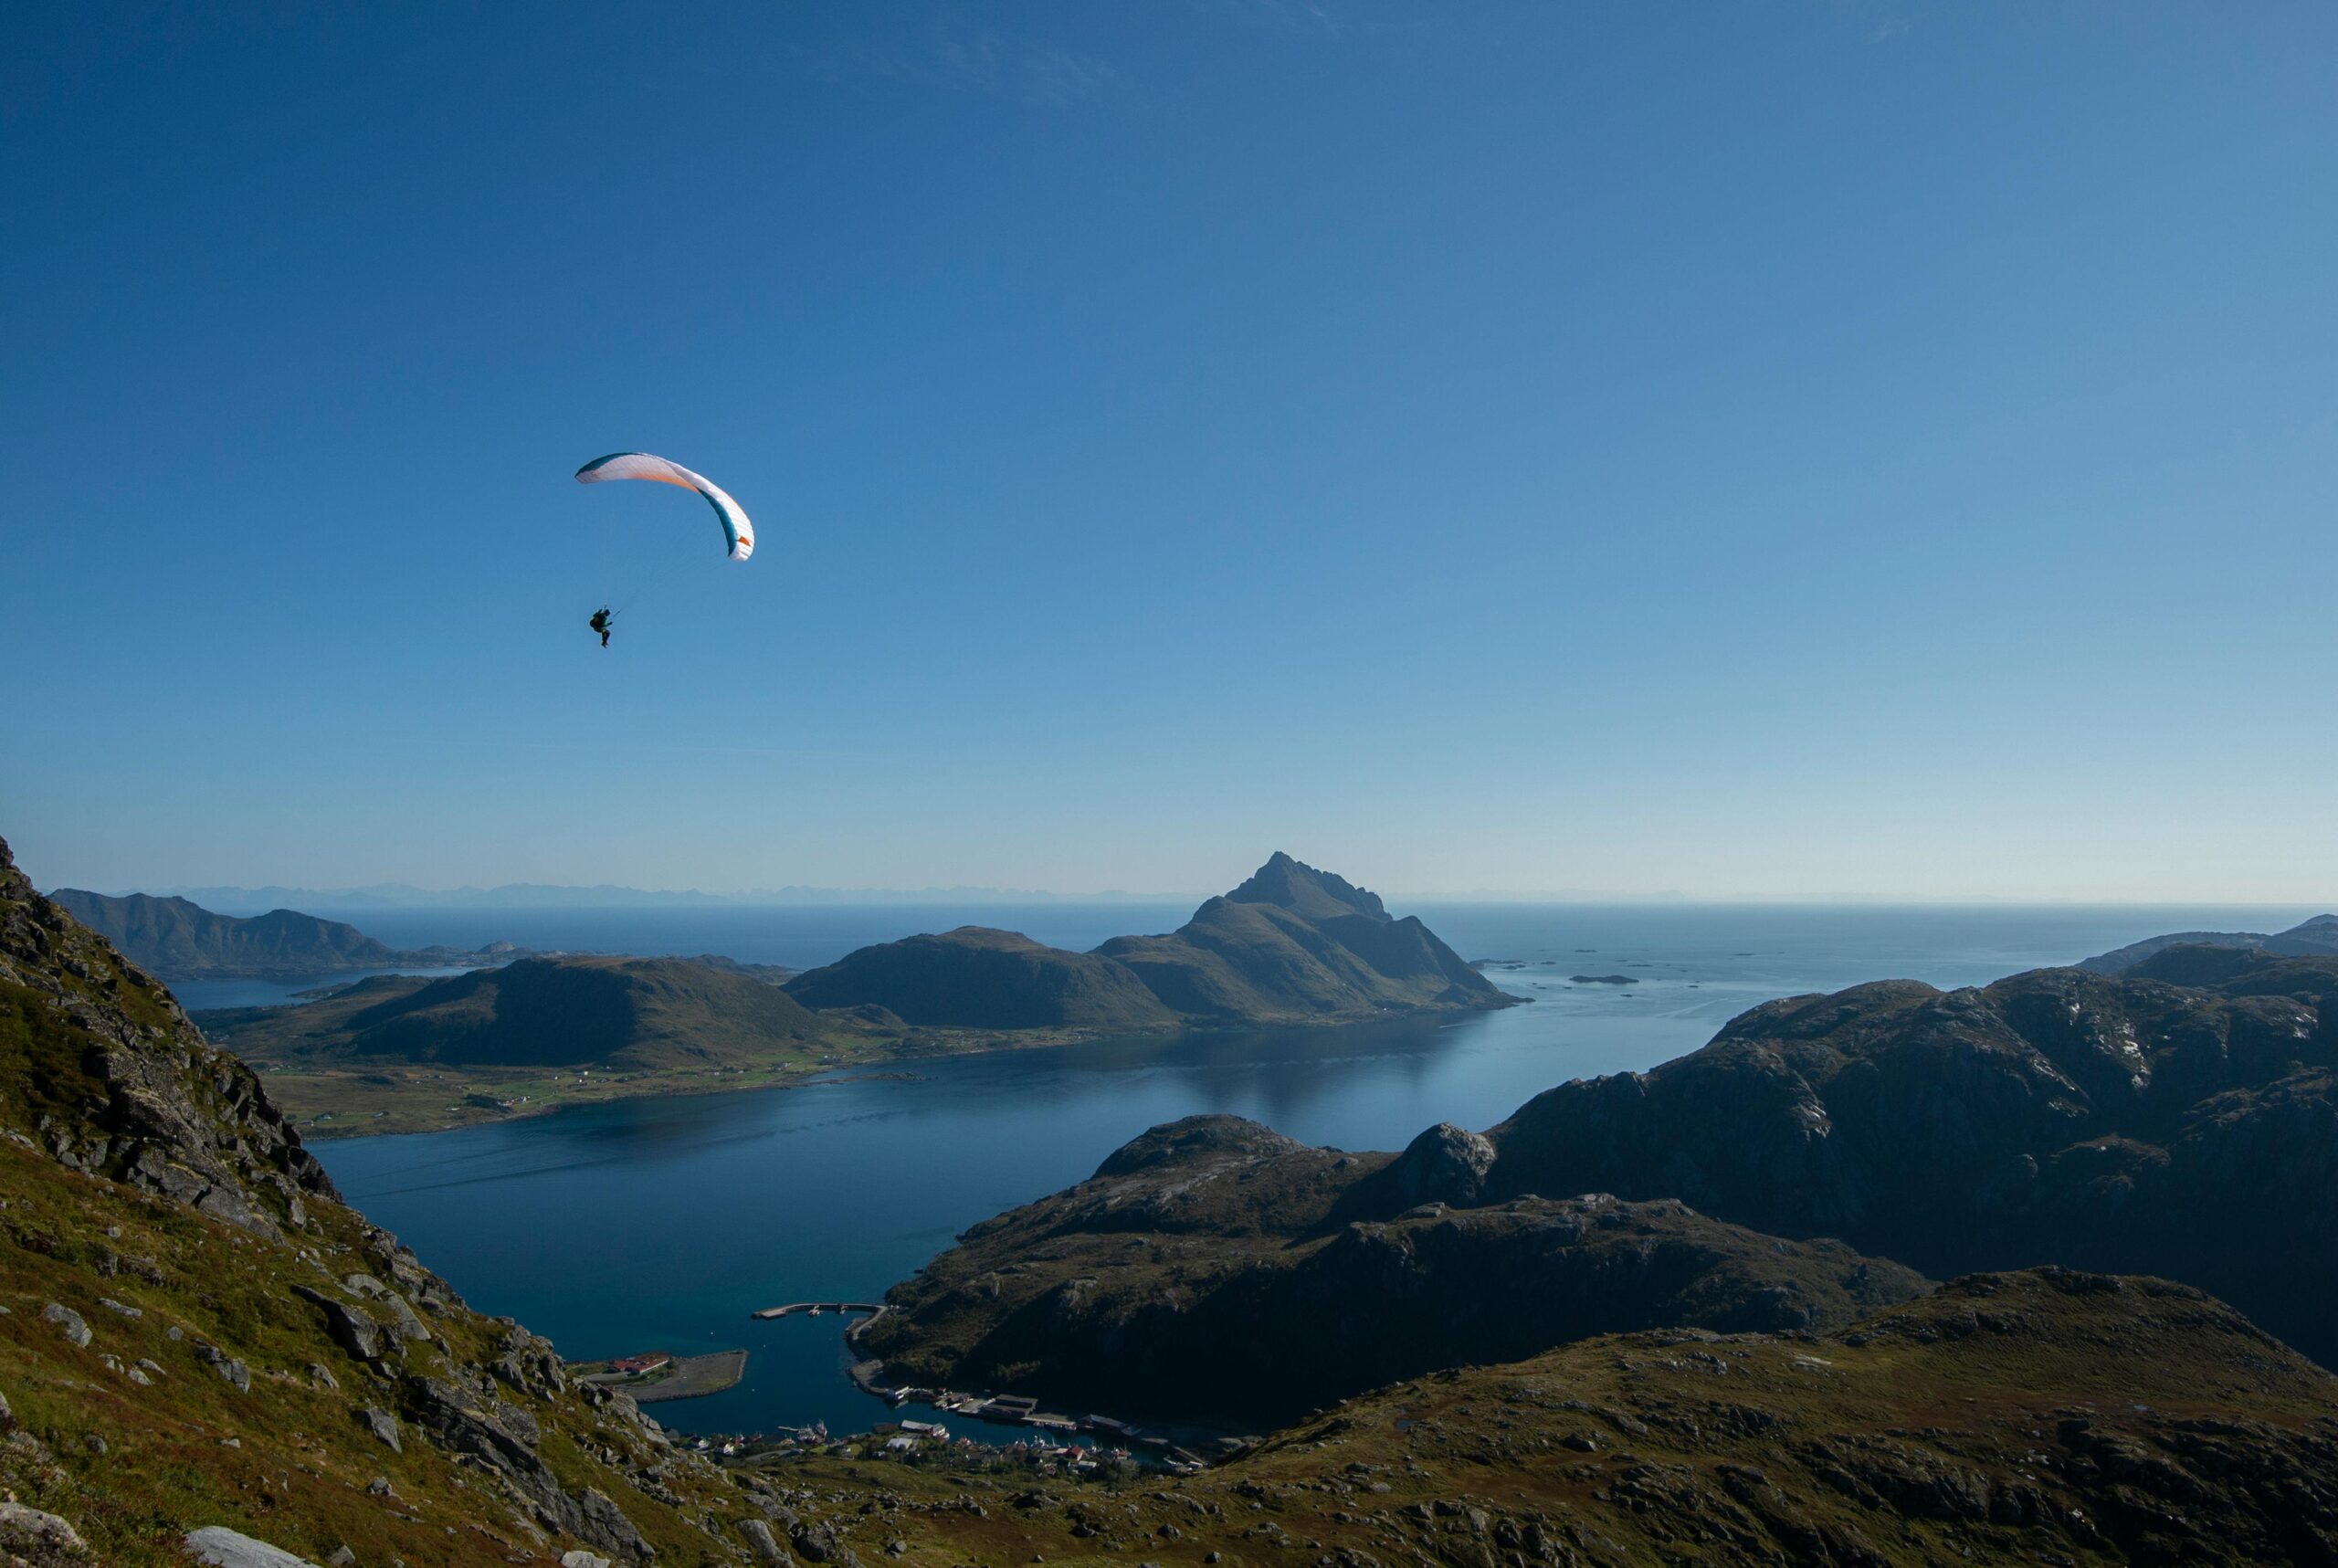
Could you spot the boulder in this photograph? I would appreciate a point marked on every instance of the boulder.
(766, 1545)
(229, 1369)
(1445, 1164)
(383, 1425)
(68, 1322)
(218, 1547)
(38, 1537)
(352, 1329)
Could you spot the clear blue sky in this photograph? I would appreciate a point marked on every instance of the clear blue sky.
(1779, 447)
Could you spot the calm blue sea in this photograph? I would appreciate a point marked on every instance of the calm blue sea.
(661, 1224)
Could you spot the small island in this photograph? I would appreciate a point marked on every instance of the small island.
(1602, 980)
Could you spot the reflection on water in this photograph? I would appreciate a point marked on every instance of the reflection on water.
(658, 1224)
(197, 995)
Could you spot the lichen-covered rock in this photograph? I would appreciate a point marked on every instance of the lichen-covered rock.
(38, 1539)
(383, 1425)
(216, 1546)
(68, 1322)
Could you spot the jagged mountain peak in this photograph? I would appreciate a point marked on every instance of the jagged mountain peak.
(1304, 890)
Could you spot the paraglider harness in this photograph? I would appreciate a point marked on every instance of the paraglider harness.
(603, 618)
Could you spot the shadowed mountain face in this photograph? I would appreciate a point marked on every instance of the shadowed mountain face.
(2315, 938)
(624, 1013)
(2136, 1124)
(182, 941)
(1290, 944)
(1215, 1270)
(2039, 1417)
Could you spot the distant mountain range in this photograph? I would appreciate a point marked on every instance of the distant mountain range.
(540, 896)
(2308, 939)
(1291, 944)
(179, 940)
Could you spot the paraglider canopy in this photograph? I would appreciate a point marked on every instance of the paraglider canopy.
(736, 529)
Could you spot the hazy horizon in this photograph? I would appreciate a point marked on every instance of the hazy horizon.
(405, 897)
(1835, 449)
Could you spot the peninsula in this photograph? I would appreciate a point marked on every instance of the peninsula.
(181, 940)
(399, 1053)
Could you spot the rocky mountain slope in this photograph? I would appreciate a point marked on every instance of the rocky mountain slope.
(179, 941)
(2181, 1119)
(619, 1013)
(1216, 1271)
(2315, 938)
(1290, 944)
(2037, 1417)
(198, 1333)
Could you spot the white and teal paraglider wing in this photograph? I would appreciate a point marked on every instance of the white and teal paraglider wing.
(642, 466)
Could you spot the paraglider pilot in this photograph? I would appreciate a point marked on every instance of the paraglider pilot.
(600, 623)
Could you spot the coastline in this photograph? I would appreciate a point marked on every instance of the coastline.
(377, 1099)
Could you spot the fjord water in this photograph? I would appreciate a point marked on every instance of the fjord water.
(659, 1224)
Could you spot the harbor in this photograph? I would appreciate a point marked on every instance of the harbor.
(1021, 1410)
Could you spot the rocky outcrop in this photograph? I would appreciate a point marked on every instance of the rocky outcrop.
(116, 1082)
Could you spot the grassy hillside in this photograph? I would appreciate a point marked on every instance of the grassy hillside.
(2041, 1417)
